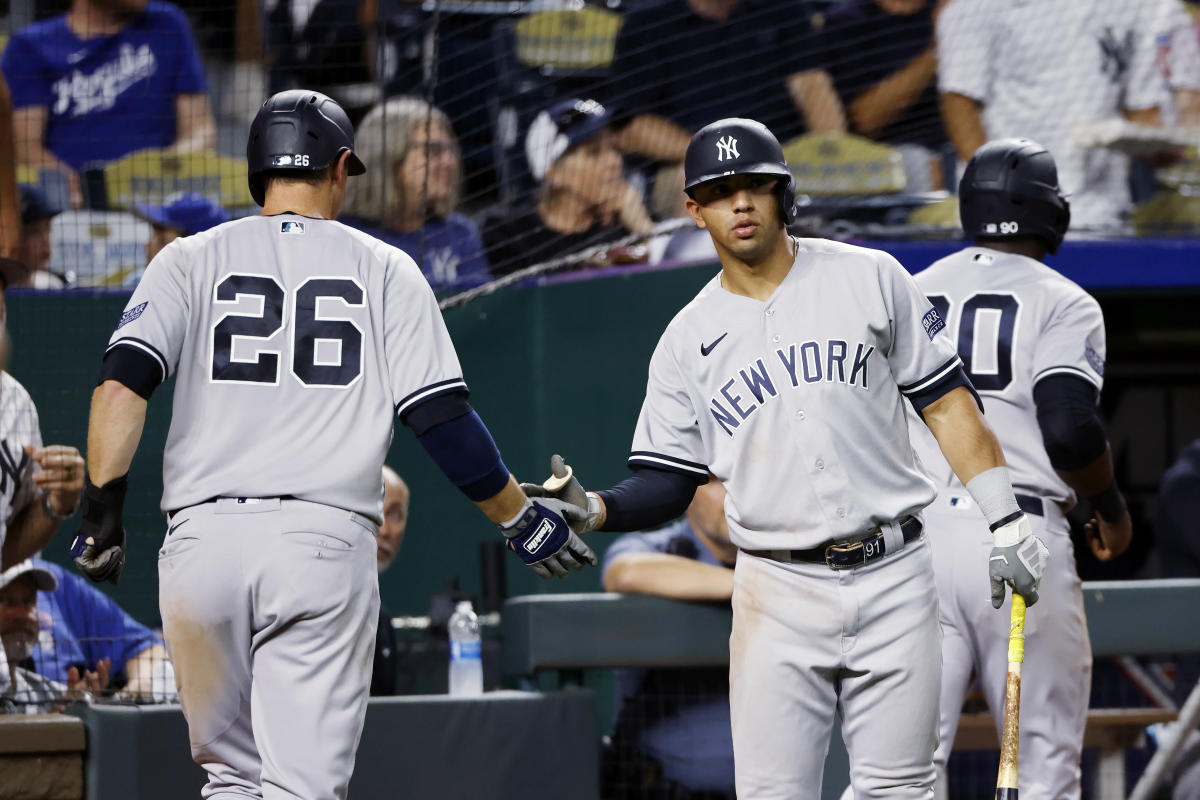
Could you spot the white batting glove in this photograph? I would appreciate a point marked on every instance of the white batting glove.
(1018, 559)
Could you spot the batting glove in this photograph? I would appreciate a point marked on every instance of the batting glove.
(541, 536)
(99, 546)
(1018, 559)
(563, 485)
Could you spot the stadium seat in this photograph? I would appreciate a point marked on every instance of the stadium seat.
(844, 164)
(99, 248)
(150, 176)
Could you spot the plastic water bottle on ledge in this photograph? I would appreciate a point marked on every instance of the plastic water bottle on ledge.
(466, 651)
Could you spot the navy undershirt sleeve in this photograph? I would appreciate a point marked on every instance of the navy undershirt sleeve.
(647, 499)
(460, 444)
(1069, 420)
(136, 370)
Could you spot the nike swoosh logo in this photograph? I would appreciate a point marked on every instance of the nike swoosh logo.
(706, 350)
(171, 529)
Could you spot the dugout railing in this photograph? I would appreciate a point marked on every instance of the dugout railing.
(565, 635)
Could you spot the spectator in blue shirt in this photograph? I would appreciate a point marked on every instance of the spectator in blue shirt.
(107, 78)
(81, 627)
(408, 200)
(672, 737)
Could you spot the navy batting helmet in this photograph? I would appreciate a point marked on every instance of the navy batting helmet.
(298, 130)
(738, 146)
(1010, 188)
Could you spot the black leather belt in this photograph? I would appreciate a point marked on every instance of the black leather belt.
(844, 555)
(1030, 504)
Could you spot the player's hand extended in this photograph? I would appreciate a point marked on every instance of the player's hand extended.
(1018, 559)
(541, 536)
(1108, 539)
(60, 473)
(99, 546)
(563, 485)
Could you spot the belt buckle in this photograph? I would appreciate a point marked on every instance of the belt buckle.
(845, 549)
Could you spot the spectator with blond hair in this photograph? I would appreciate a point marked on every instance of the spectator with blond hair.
(408, 200)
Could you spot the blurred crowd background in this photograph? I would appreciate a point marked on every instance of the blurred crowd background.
(501, 135)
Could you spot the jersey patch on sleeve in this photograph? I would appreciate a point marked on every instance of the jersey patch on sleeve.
(1094, 359)
(132, 314)
(932, 322)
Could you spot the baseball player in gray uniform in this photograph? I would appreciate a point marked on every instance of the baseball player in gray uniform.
(787, 378)
(293, 340)
(1032, 343)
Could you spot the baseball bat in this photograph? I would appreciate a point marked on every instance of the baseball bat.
(1006, 781)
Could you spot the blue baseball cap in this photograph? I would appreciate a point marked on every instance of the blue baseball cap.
(35, 205)
(556, 130)
(190, 212)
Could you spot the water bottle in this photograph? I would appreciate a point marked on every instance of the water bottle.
(466, 662)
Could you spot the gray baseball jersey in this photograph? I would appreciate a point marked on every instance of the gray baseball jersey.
(254, 316)
(1016, 321)
(18, 428)
(1042, 67)
(797, 403)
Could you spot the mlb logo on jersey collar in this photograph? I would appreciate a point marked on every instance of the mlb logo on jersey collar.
(291, 226)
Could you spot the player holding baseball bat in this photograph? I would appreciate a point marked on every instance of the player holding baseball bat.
(1033, 345)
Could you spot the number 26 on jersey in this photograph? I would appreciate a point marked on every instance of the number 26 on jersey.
(326, 350)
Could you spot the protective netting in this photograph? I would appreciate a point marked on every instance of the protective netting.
(502, 135)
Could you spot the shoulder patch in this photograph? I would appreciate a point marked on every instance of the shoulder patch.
(1094, 359)
(132, 314)
(932, 322)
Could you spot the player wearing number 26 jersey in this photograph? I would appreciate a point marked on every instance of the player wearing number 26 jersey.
(1032, 343)
(295, 342)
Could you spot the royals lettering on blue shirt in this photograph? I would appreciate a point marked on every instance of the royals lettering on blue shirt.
(453, 251)
(105, 96)
(80, 625)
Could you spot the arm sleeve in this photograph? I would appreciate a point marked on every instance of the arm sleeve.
(923, 358)
(421, 358)
(667, 436)
(650, 497)
(964, 49)
(189, 76)
(155, 320)
(29, 85)
(1072, 340)
(461, 445)
(1071, 428)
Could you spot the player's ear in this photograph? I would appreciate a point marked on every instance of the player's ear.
(693, 209)
(341, 171)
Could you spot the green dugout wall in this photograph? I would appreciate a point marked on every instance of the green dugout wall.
(562, 368)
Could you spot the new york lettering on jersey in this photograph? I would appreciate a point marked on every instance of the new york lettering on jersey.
(809, 362)
(802, 377)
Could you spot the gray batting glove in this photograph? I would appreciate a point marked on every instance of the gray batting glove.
(541, 535)
(1018, 559)
(563, 485)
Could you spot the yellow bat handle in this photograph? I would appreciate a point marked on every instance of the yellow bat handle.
(1016, 630)
(1006, 782)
